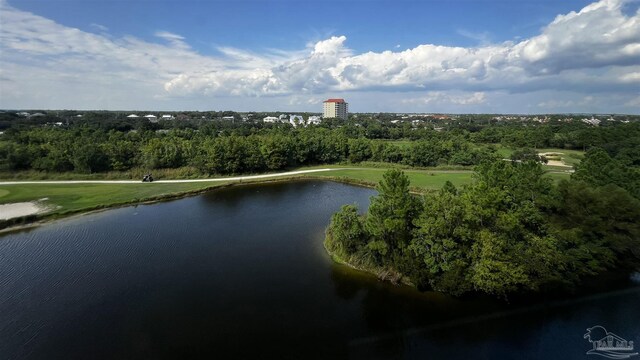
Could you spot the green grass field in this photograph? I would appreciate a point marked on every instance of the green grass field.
(557, 176)
(423, 179)
(76, 197)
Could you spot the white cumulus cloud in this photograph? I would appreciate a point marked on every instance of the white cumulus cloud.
(47, 64)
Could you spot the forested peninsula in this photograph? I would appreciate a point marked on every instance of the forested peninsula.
(510, 231)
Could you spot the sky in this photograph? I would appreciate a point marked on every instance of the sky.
(455, 56)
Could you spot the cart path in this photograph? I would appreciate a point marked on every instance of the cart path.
(236, 178)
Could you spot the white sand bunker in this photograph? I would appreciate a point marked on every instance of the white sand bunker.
(9, 211)
(553, 161)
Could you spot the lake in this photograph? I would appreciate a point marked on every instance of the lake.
(242, 273)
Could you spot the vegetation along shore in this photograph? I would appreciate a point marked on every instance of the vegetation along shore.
(511, 230)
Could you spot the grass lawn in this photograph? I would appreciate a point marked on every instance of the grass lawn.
(557, 176)
(424, 179)
(76, 197)
(504, 152)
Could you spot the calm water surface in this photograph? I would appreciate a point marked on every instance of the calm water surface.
(241, 273)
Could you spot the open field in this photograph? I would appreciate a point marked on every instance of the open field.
(422, 179)
(64, 198)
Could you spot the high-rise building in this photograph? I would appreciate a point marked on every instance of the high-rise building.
(336, 108)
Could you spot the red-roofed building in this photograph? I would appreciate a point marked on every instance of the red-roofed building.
(336, 108)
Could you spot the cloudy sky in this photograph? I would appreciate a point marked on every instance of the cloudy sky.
(456, 56)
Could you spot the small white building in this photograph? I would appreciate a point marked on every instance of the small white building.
(593, 121)
(270, 119)
(228, 118)
(314, 120)
(296, 120)
(151, 118)
(133, 116)
(167, 117)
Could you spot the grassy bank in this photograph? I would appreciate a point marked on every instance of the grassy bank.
(73, 197)
(421, 180)
(66, 200)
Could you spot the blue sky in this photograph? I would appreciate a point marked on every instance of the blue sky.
(397, 56)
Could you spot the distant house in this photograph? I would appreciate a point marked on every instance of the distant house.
(270, 119)
(133, 116)
(593, 121)
(151, 118)
(23, 113)
(283, 118)
(229, 118)
(296, 120)
(314, 120)
(167, 117)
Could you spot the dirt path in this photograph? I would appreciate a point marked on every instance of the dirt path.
(236, 178)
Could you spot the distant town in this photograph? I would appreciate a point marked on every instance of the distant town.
(333, 109)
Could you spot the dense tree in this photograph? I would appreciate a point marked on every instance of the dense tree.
(359, 150)
(598, 228)
(390, 216)
(599, 169)
(509, 231)
(346, 232)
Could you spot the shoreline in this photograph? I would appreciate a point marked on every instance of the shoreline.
(39, 219)
(36, 220)
(382, 274)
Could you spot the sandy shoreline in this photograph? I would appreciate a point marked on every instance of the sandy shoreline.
(10, 211)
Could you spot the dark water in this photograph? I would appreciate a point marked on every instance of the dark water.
(241, 273)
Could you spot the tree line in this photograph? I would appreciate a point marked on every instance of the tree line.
(90, 150)
(100, 141)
